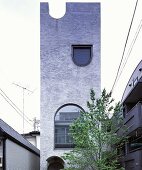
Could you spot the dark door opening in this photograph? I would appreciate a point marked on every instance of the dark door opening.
(55, 166)
(55, 163)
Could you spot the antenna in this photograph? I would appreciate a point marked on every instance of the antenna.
(23, 88)
(36, 124)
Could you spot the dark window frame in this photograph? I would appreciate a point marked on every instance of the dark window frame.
(66, 136)
(82, 47)
(135, 143)
(63, 124)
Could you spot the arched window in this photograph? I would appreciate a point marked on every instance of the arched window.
(64, 116)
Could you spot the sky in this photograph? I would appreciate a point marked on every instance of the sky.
(20, 52)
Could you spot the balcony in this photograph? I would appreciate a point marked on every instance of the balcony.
(132, 160)
(132, 120)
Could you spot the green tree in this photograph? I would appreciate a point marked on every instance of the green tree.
(94, 136)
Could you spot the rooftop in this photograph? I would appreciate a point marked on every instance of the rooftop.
(10, 133)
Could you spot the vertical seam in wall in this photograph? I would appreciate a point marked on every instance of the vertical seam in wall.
(4, 154)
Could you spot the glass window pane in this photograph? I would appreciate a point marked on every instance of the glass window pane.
(62, 135)
(63, 118)
(68, 113)
(59, 138)
(60, 130)
(69, 139)
(82, 55)
(136, 143)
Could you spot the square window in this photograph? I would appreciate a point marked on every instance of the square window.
(62, 137)
(82, 54)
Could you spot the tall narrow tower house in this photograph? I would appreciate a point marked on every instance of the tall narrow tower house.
(70, 67)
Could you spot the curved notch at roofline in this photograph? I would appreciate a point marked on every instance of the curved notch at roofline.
(61, 9)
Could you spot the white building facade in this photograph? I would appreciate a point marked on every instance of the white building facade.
(70, 67)
(33, 137)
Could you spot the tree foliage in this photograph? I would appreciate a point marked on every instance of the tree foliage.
(94, 136)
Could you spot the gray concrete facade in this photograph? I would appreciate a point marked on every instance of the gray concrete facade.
(16, 151)
(19, 158)
(62, 81)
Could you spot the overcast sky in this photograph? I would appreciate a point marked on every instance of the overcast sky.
(20, 51)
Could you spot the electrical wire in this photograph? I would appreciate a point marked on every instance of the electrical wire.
(124, 47)
(130, 49)
(13, 104)
(7, 99)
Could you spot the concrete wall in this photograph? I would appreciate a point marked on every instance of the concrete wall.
(38, 142)
(62, 81)
(19, 158)
(32, 140)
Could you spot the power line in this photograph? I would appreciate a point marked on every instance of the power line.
(13, 104)
(7, 99)
(124, 47)
(13, 107)
(131, 47)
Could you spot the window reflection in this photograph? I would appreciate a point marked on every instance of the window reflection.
(63, 118)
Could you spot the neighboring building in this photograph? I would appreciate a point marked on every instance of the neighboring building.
(15, 151)
(1, 155)
(70, 67)
(131, 152)
(33, 137)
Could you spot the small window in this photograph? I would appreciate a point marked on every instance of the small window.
(82, 54)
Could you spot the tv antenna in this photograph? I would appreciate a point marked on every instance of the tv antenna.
(23, 99)
(36, 124)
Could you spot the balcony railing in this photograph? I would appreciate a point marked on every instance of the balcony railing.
(132, 160)
(63, 140)
(132, 120)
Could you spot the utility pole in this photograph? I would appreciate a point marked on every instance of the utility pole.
(23, 98)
